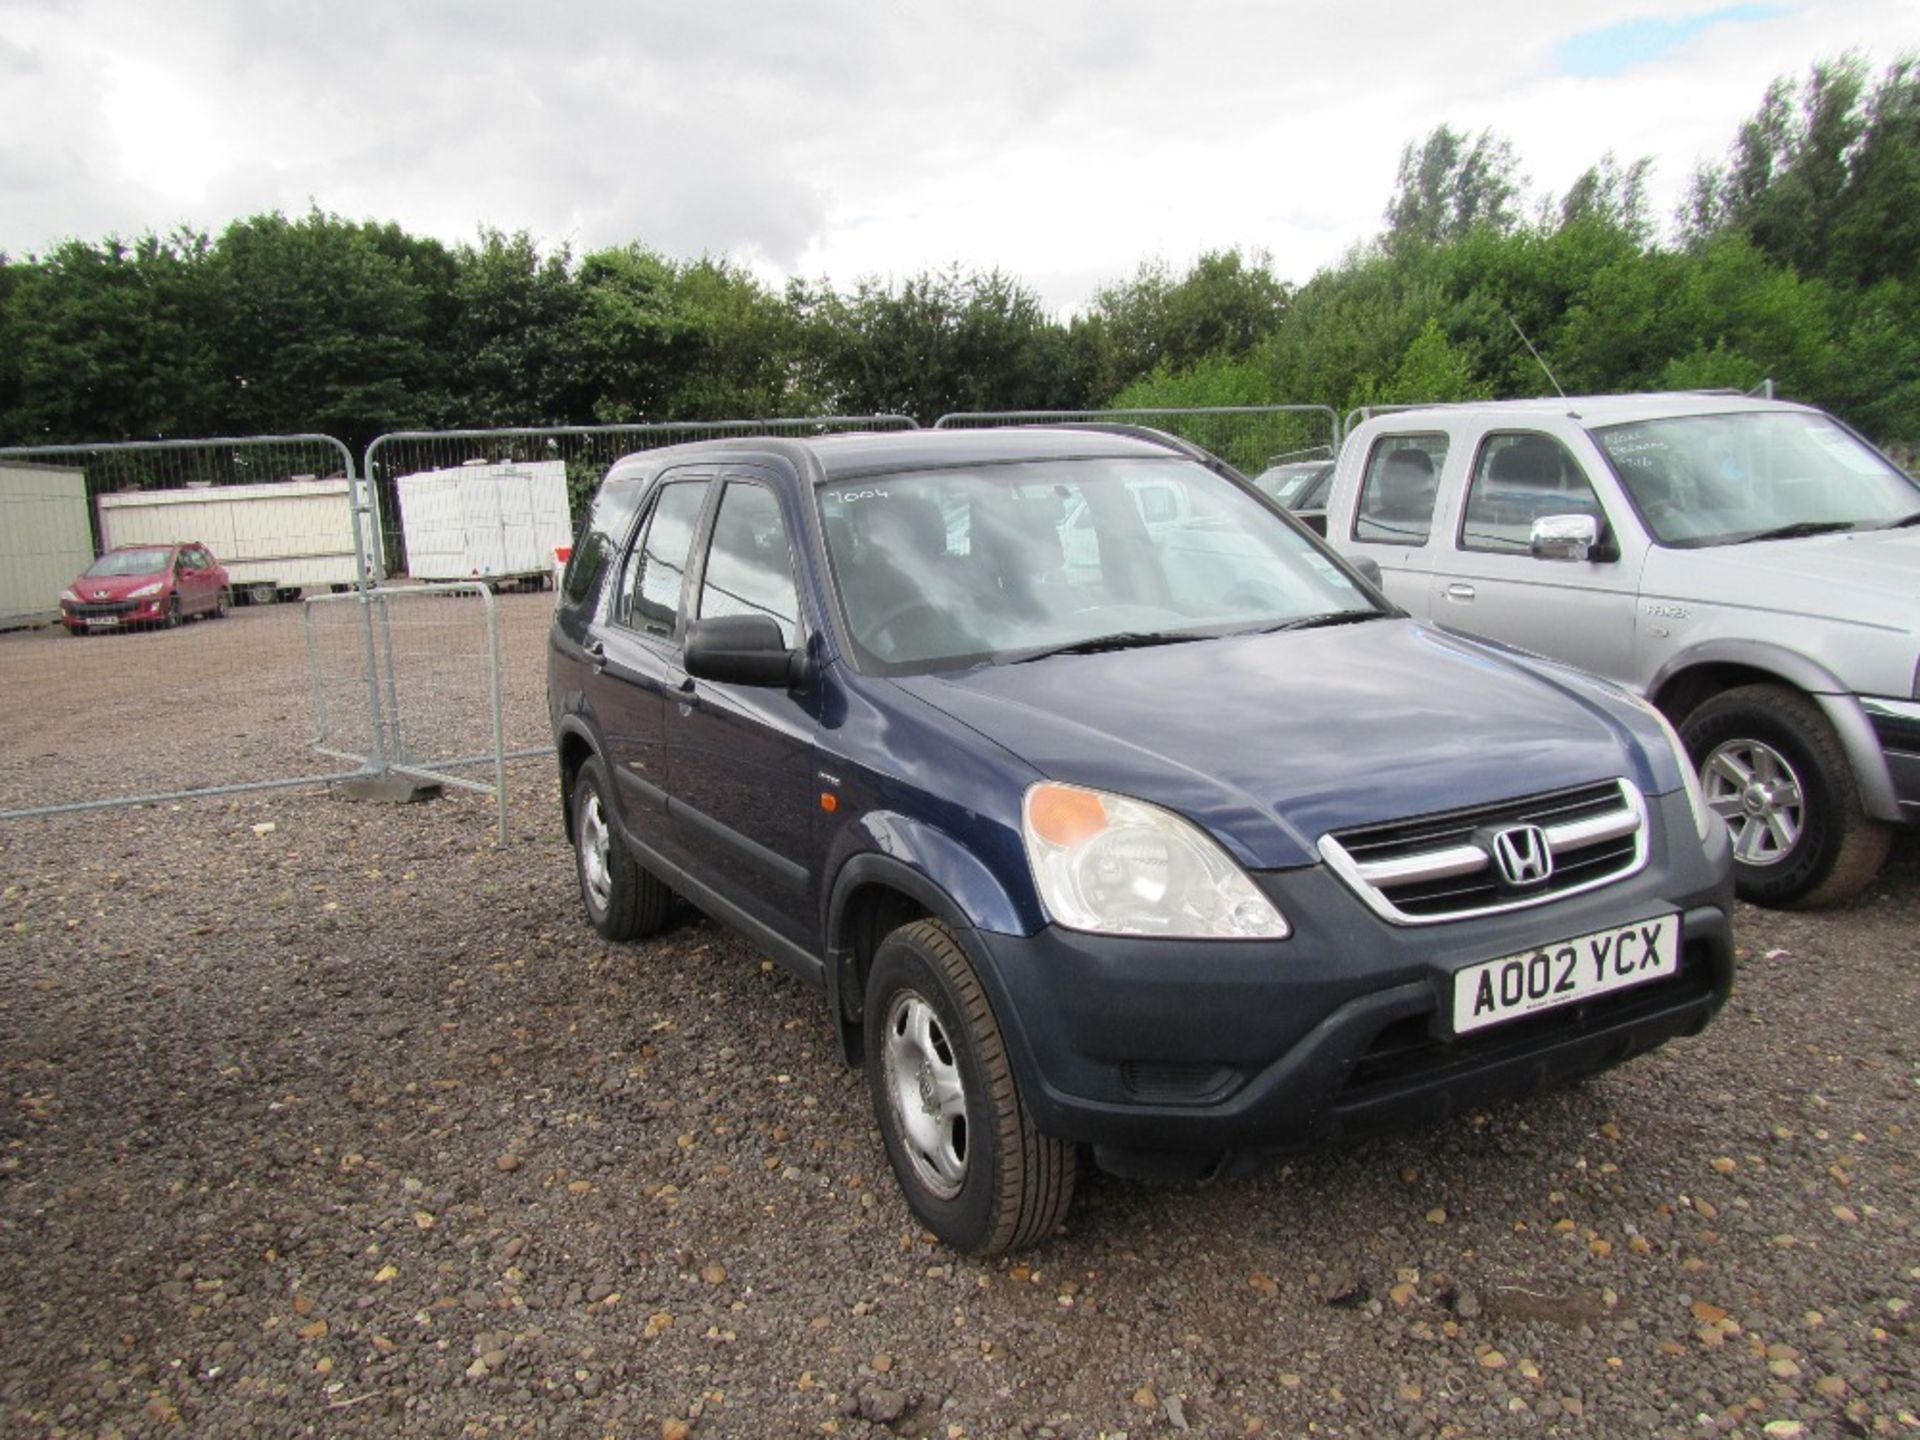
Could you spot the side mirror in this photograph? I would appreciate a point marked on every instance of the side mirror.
(1369, 568)
(742, 650)
(1564, 537)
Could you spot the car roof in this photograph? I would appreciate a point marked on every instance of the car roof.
(1593, 410)
(840, 456)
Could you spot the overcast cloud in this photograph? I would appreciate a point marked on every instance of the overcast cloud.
(1064, 141)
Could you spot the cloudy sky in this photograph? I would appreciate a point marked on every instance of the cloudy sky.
(1062, 140)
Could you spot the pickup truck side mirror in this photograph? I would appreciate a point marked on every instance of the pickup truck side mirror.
(1565, 537)
(743, 650)
(1369, 569)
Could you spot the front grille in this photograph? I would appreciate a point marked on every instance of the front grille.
(103, 609)
(1443, 867)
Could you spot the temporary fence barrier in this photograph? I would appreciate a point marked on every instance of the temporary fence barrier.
(138, 688)
(407, 682)
(1248, 437)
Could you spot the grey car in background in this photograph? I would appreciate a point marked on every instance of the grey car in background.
(1751, 566)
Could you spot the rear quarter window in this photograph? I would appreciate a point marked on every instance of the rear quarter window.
(608, 520)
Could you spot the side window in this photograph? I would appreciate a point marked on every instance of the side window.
(658, 566)
(599, 540)
(748, 571)
(1518, 479)
(1398, 492)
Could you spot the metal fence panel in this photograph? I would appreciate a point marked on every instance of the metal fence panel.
(155, 704)
(1248, 437)
(408, 681)
(585, 452)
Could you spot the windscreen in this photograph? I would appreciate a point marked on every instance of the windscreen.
(131, 562)
(1753, 475)
(949, 568)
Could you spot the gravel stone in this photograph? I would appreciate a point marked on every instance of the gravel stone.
(232, 1032)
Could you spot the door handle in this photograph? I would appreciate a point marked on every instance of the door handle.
(597, 653)
(685, 694)
(1458, 591)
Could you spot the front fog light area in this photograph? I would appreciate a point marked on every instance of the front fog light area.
(1115, 866)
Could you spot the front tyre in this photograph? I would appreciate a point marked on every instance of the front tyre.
(1773, 769)
(624, 901)
(959, 1138)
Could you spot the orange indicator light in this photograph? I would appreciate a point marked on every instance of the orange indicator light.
(1063, 815)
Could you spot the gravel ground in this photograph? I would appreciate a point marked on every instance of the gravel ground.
(329, 1119)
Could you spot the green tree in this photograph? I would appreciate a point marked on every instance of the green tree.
(109, 342)
(318, 325)
(1224, 305)
(1450, 185)
(514, 311)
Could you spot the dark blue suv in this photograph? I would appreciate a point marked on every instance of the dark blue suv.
(1110, 810)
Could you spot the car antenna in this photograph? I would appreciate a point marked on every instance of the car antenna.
(1536, 355)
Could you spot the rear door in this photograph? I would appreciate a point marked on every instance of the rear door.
(740, 757)
(1397, 513)
(1486, 580)
(636, 649)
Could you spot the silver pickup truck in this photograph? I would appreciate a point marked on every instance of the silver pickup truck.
(1750, 566)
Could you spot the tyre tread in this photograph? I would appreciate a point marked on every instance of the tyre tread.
(1035, 1184)
(1863, 841)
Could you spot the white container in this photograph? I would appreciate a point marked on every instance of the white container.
(275, 540)
(493, 522)
(45, 540)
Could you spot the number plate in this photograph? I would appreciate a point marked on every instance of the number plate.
(104, 620)
(1565, 972)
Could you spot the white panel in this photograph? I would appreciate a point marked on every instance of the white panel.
(45, 540)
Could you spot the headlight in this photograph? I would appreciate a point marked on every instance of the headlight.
(1703, 819)
(1116, 866)
(146, 592)
(69, 597)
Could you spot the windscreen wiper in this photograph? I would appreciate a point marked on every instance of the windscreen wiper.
(1903, 522)
(1315, 622)
(1118, 640)
(1798, 529)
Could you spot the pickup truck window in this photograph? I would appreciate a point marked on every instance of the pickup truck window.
(1398, 492)
(1518, 479)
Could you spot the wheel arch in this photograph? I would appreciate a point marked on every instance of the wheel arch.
(573, 747)
(1692, 678)
(874, 893)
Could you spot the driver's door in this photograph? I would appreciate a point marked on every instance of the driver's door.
(1486, 580)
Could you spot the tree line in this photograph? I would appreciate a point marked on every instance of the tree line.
(1797, 258)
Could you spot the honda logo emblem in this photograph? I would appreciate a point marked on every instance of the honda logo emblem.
(1523, 855)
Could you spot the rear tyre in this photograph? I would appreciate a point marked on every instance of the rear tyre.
(262, 594)
(223, 603)
(959, 1137)
(624, 901)
(1774, 770)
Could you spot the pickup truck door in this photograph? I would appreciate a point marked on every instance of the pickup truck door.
(1395, 511)
(1486, 580)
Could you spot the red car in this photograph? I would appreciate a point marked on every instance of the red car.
(145, 585)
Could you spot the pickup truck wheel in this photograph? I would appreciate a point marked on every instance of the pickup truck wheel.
(1773, 769)
(958, 1136)
(624, 901)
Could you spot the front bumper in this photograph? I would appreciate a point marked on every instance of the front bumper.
(1232, 1052)
(113, 614)
(1896, 725)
